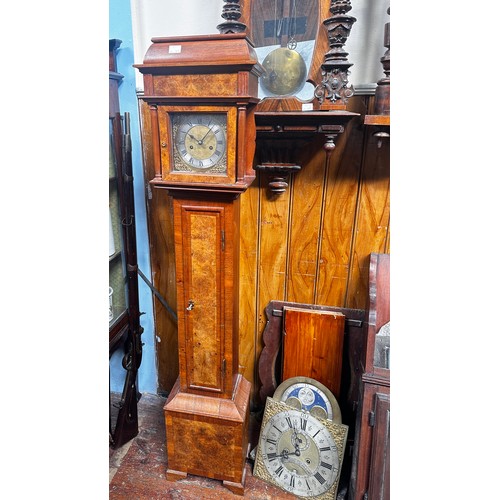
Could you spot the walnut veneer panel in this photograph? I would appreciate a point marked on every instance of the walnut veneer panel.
(201, 241)
(217, 85)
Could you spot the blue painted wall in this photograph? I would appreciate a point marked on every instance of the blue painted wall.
(120, 26)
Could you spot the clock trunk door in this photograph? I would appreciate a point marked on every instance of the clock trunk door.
(205, 321)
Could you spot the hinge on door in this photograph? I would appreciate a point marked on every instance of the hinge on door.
(224, 368)
(371, 418)
(150, 193)
(223, 239)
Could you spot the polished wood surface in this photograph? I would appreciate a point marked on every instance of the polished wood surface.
(195, 72)
(205, 234)
(371, 448)
(208, 436)
(313, 346)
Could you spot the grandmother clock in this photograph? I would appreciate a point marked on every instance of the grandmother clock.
(201, 92)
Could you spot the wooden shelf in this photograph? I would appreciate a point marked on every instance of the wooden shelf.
(380, 120)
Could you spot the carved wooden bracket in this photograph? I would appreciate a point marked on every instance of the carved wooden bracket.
(280, 173)
(281, 136)
(383, 91)
(335, 69)
(381, 119)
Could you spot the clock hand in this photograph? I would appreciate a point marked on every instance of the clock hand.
(284, 454)
(296, 440)
(205, 136)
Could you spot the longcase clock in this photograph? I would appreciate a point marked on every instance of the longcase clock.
(201, 92)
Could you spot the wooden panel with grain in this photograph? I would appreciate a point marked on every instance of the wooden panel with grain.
(161, 239)
(313, 345)
(202, 289)
(249, 202)
(307, 206)
(188, 85)
(273, 248)
(372, 221)
(337, 230)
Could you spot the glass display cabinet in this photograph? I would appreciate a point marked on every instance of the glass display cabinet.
(118, 314)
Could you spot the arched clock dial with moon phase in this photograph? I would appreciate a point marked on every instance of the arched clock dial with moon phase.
(307, 394)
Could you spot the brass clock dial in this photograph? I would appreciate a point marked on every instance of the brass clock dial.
(200, 142)
(298, 452)
(307, 394)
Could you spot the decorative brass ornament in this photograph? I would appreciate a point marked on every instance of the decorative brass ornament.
(286, 72)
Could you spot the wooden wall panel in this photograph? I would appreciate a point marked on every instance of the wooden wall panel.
(272, 251)
(372, 221)
(161, 238)
(306, 212)
(339, 215)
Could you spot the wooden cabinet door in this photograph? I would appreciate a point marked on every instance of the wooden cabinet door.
(205, 296)
(380, 459)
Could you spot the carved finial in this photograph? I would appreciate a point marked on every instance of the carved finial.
(383, 91)
(335, 68)
(231, 12)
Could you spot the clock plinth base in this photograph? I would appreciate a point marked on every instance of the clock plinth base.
(236, 488)
(208, 436)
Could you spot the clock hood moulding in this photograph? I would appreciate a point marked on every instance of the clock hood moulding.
(202, 54)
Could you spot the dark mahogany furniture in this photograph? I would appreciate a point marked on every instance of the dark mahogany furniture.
(124, 327)
(371, 460)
